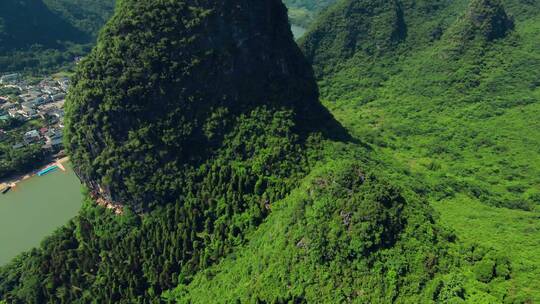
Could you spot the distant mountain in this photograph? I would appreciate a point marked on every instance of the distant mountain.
(45, 35)
(24, 23)
(36, 34)
(87, 16)
(351, 27)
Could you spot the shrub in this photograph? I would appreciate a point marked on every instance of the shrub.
(484, 270)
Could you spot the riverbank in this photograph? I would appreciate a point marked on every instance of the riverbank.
(13, 181)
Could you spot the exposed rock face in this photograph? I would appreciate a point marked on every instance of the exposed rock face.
(168, 82)
(490, 18)
(486, 19)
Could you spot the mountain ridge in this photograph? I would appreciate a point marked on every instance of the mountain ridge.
(237, 185)
(453, 109)
(47, 34)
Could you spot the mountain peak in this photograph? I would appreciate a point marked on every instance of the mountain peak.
(351, 27)
(487, 19)
(170, 82)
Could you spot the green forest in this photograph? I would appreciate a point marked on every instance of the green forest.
(24, 159)
(46, 36)
(388, 156)
(39, 36)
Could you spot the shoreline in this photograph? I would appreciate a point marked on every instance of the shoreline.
(13, 181)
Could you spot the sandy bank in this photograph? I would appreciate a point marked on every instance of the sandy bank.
(13, 181)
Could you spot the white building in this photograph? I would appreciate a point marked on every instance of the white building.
(10, 78)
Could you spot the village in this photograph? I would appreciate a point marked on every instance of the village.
(31, 127)
(43, 102)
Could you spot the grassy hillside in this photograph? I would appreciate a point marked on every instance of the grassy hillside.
(446, 94)
(198, 134)
(455, 99)
(228, 182)
(321, 245)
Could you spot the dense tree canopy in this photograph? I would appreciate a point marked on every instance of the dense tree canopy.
(137, 126)
(455, 99)
(199, 122)
(197, 116)
(351, 27)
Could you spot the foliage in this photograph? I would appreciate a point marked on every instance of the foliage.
(457, 112)
(41, 36)
(370, 27)
(138, 129)
(344, 235)
(488, 18)
(509, 232)
(193, 140)
(9, 91)
(31, 22)
(88, 16)
(485, 271)
(22, 160)
(211, 140)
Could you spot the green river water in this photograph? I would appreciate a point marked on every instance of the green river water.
(34, 209)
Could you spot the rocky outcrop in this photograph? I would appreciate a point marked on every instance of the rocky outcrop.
(351, 27)
(485, 19)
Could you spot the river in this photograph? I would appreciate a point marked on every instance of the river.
(34, 209)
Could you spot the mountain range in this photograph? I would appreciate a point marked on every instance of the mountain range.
(44, 34)
(388, 156)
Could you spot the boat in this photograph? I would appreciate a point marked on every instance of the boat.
(6, 189)
(47, 170)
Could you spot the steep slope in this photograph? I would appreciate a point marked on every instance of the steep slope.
(198, 116)
(177, 101)
(345, 235)
(486, 19)
(197, 123)
(86, 15)
(351, 27)
(192, 121)
(455, 101)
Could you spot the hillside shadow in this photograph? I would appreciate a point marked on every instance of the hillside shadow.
(30, 22)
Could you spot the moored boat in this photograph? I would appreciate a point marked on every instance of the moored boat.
(47, 170)
(6, 189)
